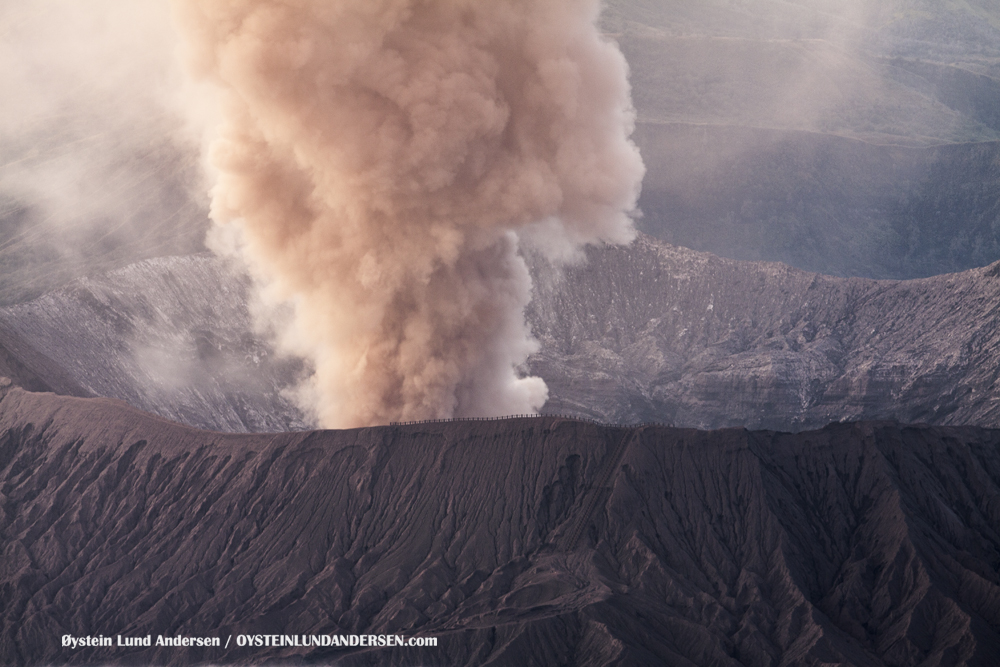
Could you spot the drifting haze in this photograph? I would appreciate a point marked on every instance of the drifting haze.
(848, 68)
(851, 137)
(95, 169)
(383, 160)
(771, 130)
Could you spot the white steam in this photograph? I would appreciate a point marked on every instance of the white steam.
(89, 149)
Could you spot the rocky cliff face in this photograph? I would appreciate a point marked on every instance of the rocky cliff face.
(171, 335)
(653, 332)
(515, 542)
(645, 333)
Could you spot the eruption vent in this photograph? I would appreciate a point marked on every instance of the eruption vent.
(381, 159)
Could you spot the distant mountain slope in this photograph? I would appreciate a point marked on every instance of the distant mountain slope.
(23, 365)
(171, 335)
(650, 332)
(851, 138)
(755, 121)
(829, 204)
(866, 545)
(891, 72)
(657, 332)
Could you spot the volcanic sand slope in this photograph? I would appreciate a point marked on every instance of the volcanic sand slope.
(171, 335)
(516, 542)
(22, 364)
(653, 332)
(645, 333)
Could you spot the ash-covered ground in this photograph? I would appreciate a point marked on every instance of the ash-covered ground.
(537, 541)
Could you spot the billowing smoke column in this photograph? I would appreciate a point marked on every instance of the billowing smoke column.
(382, 157)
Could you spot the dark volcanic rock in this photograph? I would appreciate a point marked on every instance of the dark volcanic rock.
(537, 541)
(171, 335)
(650, 332)
(657, 333)
(22, 364)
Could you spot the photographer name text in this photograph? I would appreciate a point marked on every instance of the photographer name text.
(70, 641)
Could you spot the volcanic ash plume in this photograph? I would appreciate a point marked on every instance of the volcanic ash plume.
(381, 158)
